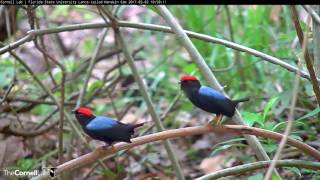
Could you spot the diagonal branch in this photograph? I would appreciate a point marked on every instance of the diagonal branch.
(53, 98)
(307, 56)
(290, 116)
(314, 15)
(237, 170)
(143, 90)
(176, 133)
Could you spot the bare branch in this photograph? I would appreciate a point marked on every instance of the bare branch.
(153, 27)
(307, 57)
(175, 133)
(314, 15)
(143, 90)
(291, 112)
(241, 169)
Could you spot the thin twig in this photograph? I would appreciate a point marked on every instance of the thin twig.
(153, 27)
(307, 57)
(176, 133)
(28, 133)
(144, 92)
(88, 75)
(53, 98)
(242, 169)
(61, 107)
(316, 43)
(291, 112)
(34, 101)
(6, 94)
(163, 116)
(165, 113)
(313, 14)
(90, 68)
(237, 56)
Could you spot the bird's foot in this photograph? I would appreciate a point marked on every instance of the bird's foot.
(105, 147)
(216, 120)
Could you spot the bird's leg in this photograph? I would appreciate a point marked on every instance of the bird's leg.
(216, 120)
(105, 147)
(219, 119)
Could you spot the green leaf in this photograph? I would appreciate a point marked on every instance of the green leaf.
(310, 114)
(275, 177)
(292, 136)
(25, 164)
(258, 176)
(41, 110)
(283, 124)
(189, 68)
(94, 85)
(109, 173)
(251, 118)
(153, 8)
(6, 75)
(268, 106)
(158, 78)
(270, 147)
(69, 64)
(225, 147)
(228, 142)
(88, 45)
(294, 170)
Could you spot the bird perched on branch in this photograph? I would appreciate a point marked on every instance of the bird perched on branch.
(208, 99)
(103, 128)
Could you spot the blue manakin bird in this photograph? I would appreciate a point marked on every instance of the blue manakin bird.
(208, 99)
(103, 128)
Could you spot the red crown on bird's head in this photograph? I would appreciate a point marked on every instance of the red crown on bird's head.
(188, 78)
(84, 110)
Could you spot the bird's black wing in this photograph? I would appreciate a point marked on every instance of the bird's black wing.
(215, 102)
(108, 130)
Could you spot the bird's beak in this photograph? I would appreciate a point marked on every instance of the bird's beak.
(179, 82)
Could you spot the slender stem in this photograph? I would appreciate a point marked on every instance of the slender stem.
(6, 94)
(316, 42)
(143, 90)
(153, 27)
(61, 107)
(314, 15)
(100, 153)
(28, 133)
(307, 57)
(88, 75)
(34, 101)
(91, 65)
(53, 98)
(291, 113)
(142, 87)
(241, 169)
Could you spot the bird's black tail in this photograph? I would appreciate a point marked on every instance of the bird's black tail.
(236, 102)
(135, 126)
(138, 125)
(241, 100)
